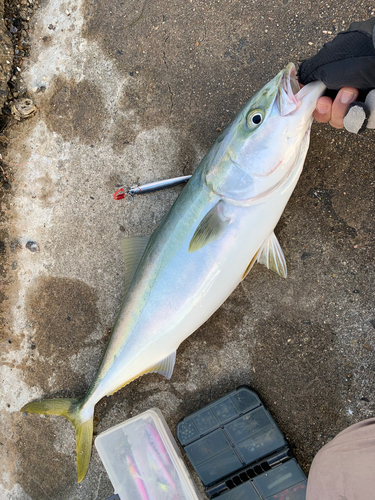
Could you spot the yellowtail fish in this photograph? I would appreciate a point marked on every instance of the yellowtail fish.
(222, 223)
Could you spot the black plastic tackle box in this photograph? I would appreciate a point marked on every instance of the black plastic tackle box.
(238, 451)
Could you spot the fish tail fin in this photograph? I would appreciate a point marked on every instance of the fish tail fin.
(81, 418)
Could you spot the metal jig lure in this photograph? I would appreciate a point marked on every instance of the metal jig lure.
(150, 187)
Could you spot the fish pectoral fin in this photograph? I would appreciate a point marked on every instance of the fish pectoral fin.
(211, 227)
(132, 250)
(271, 255)
(165, 366)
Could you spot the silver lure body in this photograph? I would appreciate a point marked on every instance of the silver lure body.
(158, 185)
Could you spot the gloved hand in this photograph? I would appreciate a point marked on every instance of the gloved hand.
(347, 61)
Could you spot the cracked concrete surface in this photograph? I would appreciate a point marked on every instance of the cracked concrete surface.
(131, 92)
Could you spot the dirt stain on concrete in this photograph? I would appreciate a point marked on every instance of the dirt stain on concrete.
(47, 188)
(124, 134)
(75, 109)
(143, 104)
(64, 313)
(38, 461)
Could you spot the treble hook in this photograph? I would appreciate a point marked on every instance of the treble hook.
(121, 194)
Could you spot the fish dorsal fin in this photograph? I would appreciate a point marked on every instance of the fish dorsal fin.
(132, 250)
(211, 227)
(165, 366)
(271, 255)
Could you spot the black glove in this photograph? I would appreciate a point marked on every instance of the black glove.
(348, 61)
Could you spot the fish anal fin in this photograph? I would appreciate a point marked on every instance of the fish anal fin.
(211, 227)
(272, 256)
(132, 250)
(164, 367)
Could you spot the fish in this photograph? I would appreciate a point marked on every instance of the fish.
(220, 225)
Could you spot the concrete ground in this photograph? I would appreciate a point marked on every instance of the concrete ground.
(130, 92)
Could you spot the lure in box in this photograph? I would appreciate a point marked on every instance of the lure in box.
(143, 461)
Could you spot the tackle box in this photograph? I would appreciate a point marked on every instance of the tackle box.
(238, 451)
(143, 461)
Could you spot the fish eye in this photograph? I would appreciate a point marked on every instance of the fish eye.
(255, 118)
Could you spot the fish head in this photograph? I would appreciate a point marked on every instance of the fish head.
(261, 149)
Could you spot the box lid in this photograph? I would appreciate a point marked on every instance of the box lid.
(229, 434)
(143, 461)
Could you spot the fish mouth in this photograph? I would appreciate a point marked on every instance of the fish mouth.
(288, 96)
(289, 81)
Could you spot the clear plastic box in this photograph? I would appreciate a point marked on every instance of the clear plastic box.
(143, 461)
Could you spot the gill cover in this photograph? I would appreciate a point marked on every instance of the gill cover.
(256, 153)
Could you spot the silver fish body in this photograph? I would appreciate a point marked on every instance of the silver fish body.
(220, 224)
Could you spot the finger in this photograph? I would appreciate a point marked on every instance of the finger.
(322, 113)
(341, 104)
(356, 118)
(370, 101)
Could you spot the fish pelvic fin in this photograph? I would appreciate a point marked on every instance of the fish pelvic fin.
(211, 227)
(72, 409)
(271, 255)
